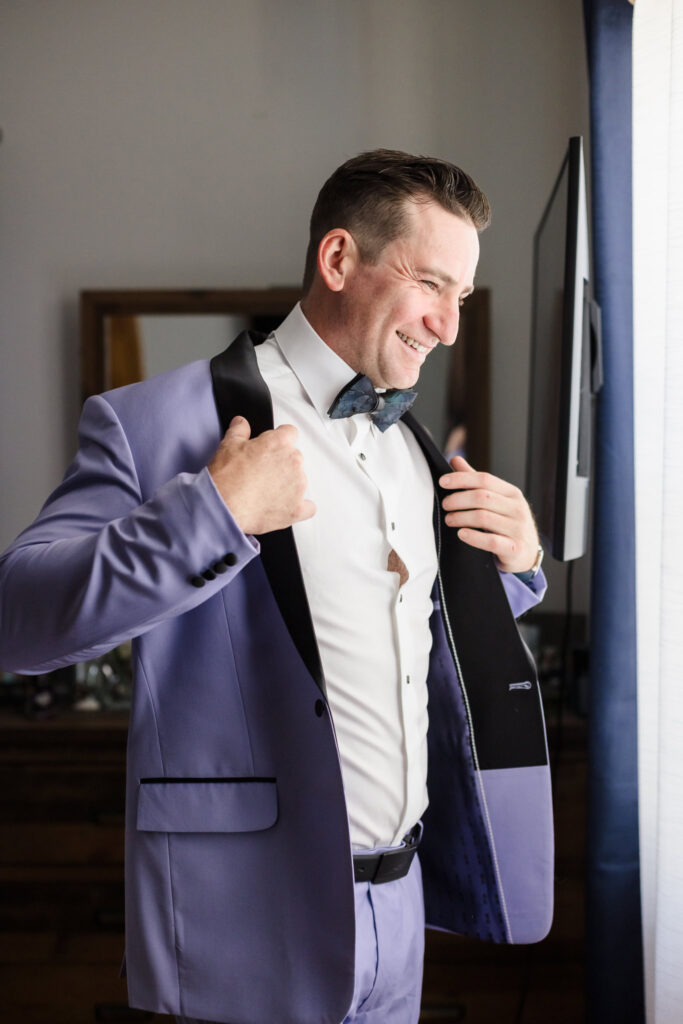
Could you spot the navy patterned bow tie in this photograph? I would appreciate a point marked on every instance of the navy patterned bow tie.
(360, 396)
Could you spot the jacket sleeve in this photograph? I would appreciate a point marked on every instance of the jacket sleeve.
(100, 565)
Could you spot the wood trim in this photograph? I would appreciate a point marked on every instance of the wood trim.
(468, 396)
(96, 305)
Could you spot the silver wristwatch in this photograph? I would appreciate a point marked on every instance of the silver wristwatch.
(529, 574)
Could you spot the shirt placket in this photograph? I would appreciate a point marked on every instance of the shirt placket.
(364, 447)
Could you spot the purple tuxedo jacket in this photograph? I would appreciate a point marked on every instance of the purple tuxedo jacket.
(239, 883)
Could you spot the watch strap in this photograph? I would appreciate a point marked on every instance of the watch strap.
(529, 574)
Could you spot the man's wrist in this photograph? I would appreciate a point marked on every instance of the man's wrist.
(529, 574)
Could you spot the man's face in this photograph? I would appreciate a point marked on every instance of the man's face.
(394, 312)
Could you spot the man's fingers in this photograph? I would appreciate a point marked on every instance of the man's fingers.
(306, 511)
(469, 479)
(490, 501)
(288, 430)
(460, 466)
(261, 479)
(482, 519)
(490, 514)
(492, 542)
(239, 429)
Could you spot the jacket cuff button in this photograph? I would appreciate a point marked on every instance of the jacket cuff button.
(230, 559)
(197, 581)
(219, 567)
(209, 574)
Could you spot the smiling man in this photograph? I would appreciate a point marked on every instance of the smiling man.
(335, 724)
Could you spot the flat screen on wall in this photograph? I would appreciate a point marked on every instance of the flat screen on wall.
(566, 366)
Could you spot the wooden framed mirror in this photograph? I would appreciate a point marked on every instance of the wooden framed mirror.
(129, 334)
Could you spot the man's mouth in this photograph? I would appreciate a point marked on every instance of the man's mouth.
(412, 343)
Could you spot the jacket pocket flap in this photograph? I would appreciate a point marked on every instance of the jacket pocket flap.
(206, 805)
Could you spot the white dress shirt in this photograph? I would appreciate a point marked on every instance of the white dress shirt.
(374, 495)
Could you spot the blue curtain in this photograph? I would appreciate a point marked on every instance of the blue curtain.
(613, 938)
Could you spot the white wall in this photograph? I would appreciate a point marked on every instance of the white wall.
(182, 143)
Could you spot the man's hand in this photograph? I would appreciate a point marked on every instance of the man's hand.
(492, 515)
(262, 480)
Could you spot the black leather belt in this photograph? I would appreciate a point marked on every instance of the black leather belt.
(390, 865)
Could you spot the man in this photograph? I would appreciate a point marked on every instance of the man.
(297, 592)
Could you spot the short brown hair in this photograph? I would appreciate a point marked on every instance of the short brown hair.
(367, 196)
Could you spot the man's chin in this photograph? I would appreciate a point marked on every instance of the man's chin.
(406, 382)
(401, 381)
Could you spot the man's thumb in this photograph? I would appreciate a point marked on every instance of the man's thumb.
(239, 429)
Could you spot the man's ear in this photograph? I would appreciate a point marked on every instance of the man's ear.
(337, 256)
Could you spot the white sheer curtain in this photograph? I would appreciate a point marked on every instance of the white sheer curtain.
(658, 355)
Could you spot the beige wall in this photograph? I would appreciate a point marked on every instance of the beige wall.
(182, 142)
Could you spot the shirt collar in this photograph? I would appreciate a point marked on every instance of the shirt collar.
(321, 372)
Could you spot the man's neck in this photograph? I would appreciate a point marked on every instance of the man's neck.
(323, 316)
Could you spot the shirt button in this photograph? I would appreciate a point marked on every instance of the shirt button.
(400, 598)
(408, 679)
(361, 456)
(393, 526)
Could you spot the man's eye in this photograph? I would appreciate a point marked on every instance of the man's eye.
(430, 284)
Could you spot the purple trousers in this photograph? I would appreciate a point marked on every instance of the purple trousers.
(389, 952)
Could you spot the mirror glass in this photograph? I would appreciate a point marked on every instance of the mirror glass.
(137, 347)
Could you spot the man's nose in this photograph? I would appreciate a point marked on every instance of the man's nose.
(444, 320)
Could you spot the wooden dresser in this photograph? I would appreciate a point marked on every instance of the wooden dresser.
(61, 868)
(61, 891)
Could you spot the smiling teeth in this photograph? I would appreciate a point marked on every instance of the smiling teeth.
(413, 344)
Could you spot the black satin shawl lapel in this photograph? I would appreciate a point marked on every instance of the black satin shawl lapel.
(240, 390)
(462, 565)
(490, 650)
(470, 576)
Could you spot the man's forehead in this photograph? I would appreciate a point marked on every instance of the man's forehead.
(444, 243)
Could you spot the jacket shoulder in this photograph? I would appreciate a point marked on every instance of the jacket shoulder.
(170, 421)
(185, 383)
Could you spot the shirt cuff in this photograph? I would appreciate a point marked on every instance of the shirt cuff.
(523, 596)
